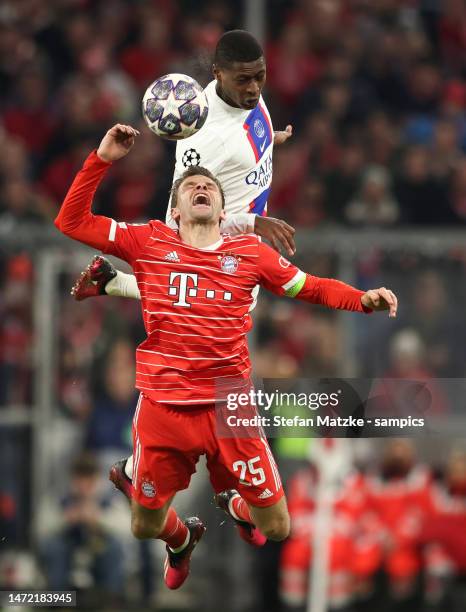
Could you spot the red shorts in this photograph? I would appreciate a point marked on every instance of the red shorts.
(167, 444)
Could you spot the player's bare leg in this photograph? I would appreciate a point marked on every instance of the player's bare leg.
(180, 537)
(231, 502)
(273, 521)
(255, 525)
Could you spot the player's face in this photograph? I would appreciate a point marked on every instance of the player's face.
(240, 84)
(198, 200)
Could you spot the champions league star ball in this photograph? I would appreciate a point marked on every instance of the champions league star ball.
(175, 106)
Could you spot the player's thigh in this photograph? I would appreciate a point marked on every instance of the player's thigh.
(147, 522)
(274, 520)
(247, 465)
(165, 453)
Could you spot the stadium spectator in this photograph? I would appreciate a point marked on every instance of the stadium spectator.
(398, 493)
(423, 198)
(343, 181)
(375, 204)
(458, 190)
(291, 65)
(444, 535)
(436, 323)
(151, 53)
(109, 424)
(80, 544)
(16, 332)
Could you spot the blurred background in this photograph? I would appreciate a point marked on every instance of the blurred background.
(374, 178)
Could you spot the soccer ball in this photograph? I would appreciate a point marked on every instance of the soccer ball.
(175, 106)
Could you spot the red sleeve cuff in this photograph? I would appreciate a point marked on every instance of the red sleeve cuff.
(94, 160)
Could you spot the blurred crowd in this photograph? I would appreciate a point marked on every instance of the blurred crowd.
(374, 90)
(377, 97)
(396, 533)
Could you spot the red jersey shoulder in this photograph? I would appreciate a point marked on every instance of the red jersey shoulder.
(245, 243)
(161, 230)
(239, 253)
(252, 239)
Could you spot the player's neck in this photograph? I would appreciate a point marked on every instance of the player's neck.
(223, 96)
(200, 235)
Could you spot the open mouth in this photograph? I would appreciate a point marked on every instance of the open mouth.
(201, 199)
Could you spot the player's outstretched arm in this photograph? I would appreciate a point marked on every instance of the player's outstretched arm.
(75, 218)
(338, 295)
(283, 278)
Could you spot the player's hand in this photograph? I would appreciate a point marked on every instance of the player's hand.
(277, 232)
(381, 299)
(281, 137)
(117, 142)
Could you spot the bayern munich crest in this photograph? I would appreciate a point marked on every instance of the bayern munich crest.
(229, 264)
(148, 489)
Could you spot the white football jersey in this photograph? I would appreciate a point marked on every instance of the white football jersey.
(236, 146)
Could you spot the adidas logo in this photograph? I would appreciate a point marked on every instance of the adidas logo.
(172, 256)
(265, 494)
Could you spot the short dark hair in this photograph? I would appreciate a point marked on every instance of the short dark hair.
(194, 171)
(84, 465)
(237, 46)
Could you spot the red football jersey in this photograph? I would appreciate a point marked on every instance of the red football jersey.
(196, 305)
(195, 302)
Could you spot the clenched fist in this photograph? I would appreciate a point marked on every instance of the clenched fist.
(117, 142)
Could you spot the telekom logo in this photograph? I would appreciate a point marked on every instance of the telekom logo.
(187, 286)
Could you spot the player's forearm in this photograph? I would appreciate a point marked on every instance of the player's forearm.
(123, 285)
(331, 293)
(242, 223)
(75, 218)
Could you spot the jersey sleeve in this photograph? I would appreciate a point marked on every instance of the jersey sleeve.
(125, 240)
(204, 149)
(283, 278)
(76, 220)
(241, 223)
(277, 274)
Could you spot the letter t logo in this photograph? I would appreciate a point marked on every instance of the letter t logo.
(182, 289)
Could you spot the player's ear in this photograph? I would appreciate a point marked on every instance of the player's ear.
(175, 213)
(222, 215)
(216, 72)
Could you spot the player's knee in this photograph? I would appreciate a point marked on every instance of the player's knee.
(143, 530)
(277, 529)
